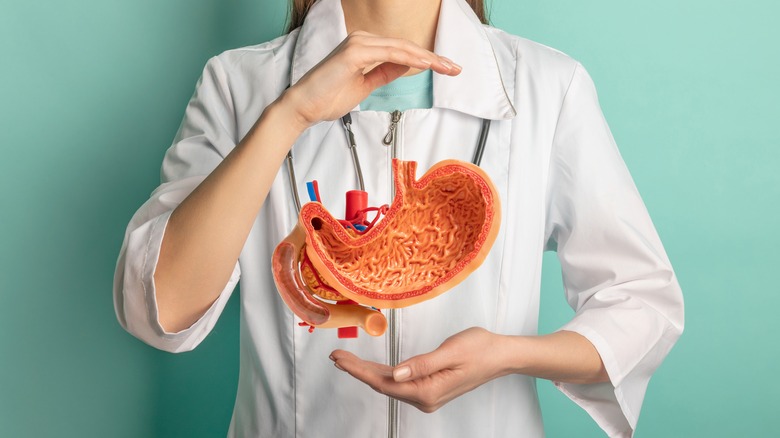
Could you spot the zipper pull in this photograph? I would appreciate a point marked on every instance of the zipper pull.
(395, 116)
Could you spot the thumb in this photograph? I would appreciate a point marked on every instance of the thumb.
(384, 73)
(422, 366)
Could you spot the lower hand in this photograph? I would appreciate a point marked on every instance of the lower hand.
(428, 381)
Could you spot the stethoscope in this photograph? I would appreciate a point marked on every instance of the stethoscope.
(346, 121)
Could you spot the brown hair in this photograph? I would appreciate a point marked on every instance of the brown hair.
(299, 9)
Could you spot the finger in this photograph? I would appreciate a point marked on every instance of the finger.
(377, 376)
(402, 51)
(440, 64)
(424, 365)
(426, 394)
(347, 361)
(371, 55)
(455, 68)
(384, 73)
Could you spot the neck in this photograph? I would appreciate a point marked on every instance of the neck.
(413, 20)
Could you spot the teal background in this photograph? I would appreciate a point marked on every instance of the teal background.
(91, 95)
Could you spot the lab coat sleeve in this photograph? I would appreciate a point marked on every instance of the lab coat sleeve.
(616, 274)
(205, 136)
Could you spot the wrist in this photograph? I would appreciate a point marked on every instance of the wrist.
(288, 110)
(514, 352)
(561, 356)
(274, 132)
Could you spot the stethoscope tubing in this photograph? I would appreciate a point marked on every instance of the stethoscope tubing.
(347, 122)
(484, 130)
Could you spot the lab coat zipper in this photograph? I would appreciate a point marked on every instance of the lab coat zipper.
(391, 140)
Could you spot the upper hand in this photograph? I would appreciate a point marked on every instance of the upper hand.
(341, 80)
(428, 381)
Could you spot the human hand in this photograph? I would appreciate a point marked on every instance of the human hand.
(343, 79)
(429, 381)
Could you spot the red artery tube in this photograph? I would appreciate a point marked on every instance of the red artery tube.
(356, 200)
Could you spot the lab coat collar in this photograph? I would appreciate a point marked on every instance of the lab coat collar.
(478, 90)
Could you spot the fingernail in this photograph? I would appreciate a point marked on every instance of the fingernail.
(452, 64)
(331, 358)
(446, 64)
(336, 364)
(401, 374)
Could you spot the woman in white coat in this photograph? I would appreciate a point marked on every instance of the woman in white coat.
(469, 357)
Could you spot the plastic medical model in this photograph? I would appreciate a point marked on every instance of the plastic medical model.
(338, 273)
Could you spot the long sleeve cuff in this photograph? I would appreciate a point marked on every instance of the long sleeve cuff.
(615, 405)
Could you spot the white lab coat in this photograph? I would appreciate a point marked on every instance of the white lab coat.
(562, 184)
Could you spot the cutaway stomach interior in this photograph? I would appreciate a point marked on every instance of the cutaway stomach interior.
(428, 236)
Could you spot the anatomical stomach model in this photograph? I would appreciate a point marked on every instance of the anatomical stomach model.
(437, 231)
